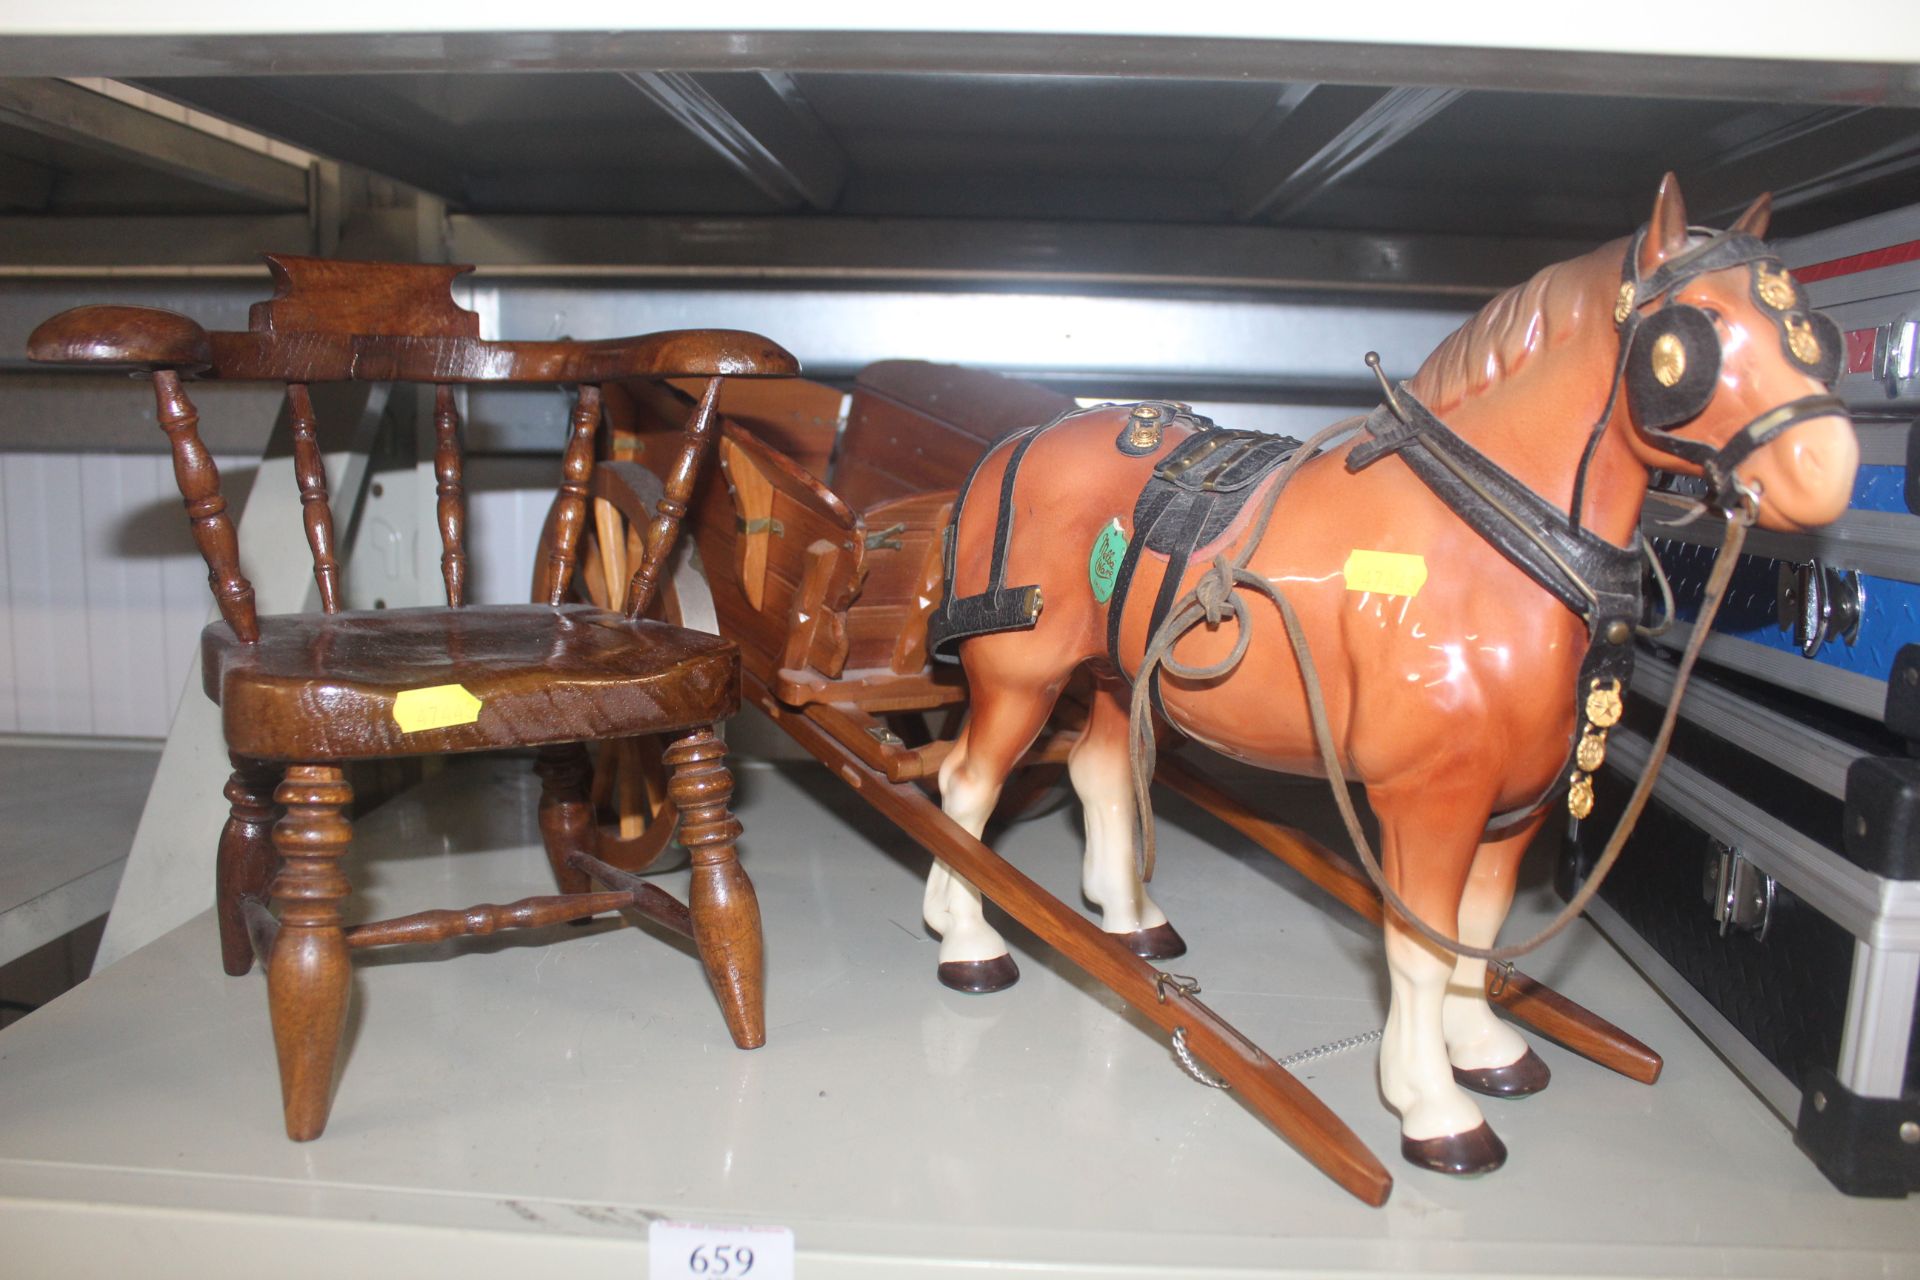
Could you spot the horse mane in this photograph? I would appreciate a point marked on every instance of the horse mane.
(1518, 324)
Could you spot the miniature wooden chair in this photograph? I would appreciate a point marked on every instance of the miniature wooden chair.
(303, 695)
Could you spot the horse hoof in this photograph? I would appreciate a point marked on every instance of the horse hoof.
(1519, 1079)
(978, 977)
(1475, 1151)
(1157, 943)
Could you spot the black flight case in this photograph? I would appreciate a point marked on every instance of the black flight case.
(1772, 888)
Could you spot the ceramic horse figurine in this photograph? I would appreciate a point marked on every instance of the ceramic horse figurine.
(1456, 624)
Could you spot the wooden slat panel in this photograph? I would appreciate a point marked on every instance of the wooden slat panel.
(753, 504)
(891, 451)
(872, 632)
(47, 586)
(129, 511)
(914, 426)
(983, 404)
(888, 602)
(103, 591)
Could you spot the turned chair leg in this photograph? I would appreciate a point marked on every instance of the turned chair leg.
(566, 812)
(308, 971)
(246, 860)
(726, 914)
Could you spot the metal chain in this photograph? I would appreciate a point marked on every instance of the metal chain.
(1193, 1068)
(1332, 1047)
(1188, 1063)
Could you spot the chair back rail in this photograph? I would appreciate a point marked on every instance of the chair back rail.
(311, 472)
(334, 321)
(570, 506)
(450, 498)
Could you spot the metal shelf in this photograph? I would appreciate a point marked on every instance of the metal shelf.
(506, 1106)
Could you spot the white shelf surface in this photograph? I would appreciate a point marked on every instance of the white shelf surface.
(505, 1105)
(67, 816)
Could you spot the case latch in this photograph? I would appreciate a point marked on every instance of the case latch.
(1818, 603)
(1740, 894)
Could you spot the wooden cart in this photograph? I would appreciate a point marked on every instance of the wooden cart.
(819, 536)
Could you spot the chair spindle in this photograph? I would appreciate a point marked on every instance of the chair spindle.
(673, 503)
(199, 481)
(311, 469)
(451, 498)
(570, 511)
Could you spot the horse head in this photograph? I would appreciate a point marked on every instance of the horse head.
(1726, 368)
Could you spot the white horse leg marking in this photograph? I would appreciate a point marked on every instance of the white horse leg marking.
(1420, 842)
(1102, 778)
(1475, 1037)
(1415, 1075)
(952, 906)
(1003, 724)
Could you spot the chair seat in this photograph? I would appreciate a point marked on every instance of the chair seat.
(322, 687)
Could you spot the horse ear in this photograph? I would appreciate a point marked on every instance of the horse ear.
(1754, 220)
(1667, 228)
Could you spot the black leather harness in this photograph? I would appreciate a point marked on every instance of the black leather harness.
(1203, 484)
(1603, 584)
(999, 607)
(1193, 495)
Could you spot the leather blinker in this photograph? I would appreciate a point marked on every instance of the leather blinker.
(1673, 366)
(1813, 342)
(1809, 339)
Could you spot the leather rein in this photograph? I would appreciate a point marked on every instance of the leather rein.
(1404, 425)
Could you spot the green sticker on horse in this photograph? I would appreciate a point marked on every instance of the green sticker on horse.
(1103, 566)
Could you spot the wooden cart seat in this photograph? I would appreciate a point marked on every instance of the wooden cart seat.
(827, 583)
(538, 675)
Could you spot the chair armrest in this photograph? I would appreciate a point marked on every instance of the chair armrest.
(677, 353)
(122, 337)
(378, 357)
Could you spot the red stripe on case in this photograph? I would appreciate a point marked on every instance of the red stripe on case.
(1853, 264)
(1860, 350)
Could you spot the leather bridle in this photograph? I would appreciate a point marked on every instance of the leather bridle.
(1668, 343)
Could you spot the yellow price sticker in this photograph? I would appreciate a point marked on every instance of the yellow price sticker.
(1390, 573)
(439, 706)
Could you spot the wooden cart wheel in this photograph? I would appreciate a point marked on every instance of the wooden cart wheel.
(629, 781)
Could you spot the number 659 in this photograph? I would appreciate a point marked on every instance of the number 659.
(720, 1260)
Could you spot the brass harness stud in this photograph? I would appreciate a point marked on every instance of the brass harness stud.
(1775, 287)
(1669, 359)
(1624, 304)
(1604, 709)
(1580, 796)
(1801, 340)
(1144, 429)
